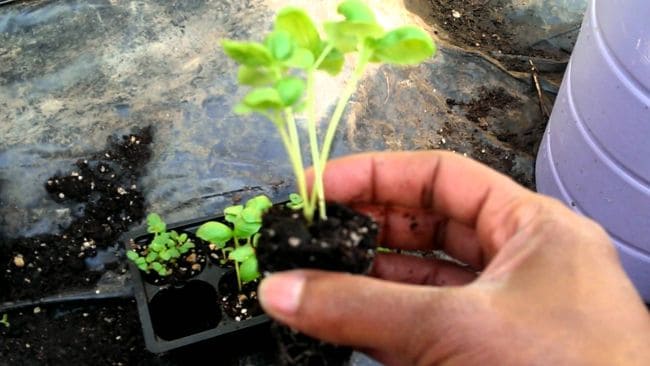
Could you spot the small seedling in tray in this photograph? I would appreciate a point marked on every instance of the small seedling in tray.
(164, 251)
(238, 241)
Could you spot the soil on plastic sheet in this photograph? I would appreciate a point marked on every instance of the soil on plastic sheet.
(481, 112)
(487, 101)
(345, 242)
(295, 348)
(483, 25)
(104, 195)
(102, 334)
(475, 23)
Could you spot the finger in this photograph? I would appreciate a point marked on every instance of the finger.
(420, 271)
(403, 228)
(353, 310)
(419, 229)
(448, 184)
(460, 242)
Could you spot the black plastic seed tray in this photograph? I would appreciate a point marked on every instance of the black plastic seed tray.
(188, 312)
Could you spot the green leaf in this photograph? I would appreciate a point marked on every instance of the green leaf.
(182, 238)
(256, 239)
(242, 253)
(152, 256)
(260, 202)
(295, 201)
(290, 89)
(301, 58)
(214, 232)
(245, 229)
(186, 247)
(155, 224)
(242, 109)
(165, 255)
(143, 267)
(232, 212)
(256, 76)
(157, 266)
(174, 253)
(164, 272)
(356, 10)
(159, 242)
(248, 53)
(173, 235)
(302, 29)
(248, 270)
(170, 243)
(251, 215)
(132, 255)
(140, 261)
(280, 44)
(347, 35)
(157, 247)
(333, 61)
(263, 99)
(404, 46)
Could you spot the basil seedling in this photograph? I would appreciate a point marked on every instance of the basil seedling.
(281, 71)
(165, 248)
(237, 242)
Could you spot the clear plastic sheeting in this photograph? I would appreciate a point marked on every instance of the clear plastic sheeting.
(74, 72)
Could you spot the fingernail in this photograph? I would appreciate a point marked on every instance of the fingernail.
(281, 293)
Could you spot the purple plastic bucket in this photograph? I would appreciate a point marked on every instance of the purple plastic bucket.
(595, 155)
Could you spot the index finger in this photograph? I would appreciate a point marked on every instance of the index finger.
(443, 182)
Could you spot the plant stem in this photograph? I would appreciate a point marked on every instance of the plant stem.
(351, 86)
(299, 168)
(317, 187)
(237, 267)
(296, 161)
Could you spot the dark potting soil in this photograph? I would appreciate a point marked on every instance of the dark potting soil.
(487, 101)
(186, 267)
(74, 334)
(104, 188)
(239, 305)
(345, 242)
(295, 348)
(483, 25)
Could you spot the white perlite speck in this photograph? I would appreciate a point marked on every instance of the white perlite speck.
(294, 242)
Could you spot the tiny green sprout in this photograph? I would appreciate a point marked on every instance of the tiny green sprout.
(5, 320)
(295, 201)
(164, 250)
(282, 72)
(240, 238)
(155, 224)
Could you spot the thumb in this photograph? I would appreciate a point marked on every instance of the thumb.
(359, 311)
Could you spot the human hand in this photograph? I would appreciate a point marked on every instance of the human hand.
(542, 285)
